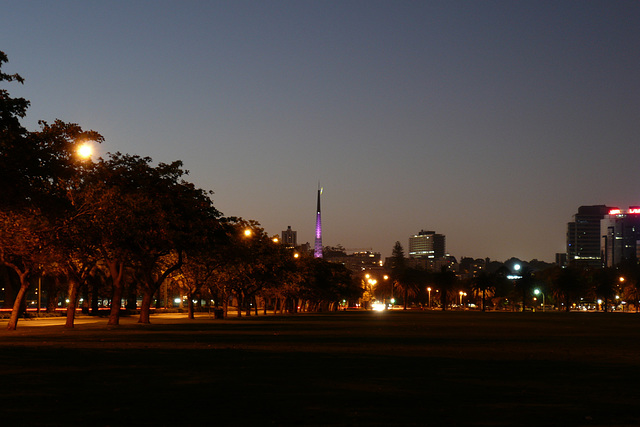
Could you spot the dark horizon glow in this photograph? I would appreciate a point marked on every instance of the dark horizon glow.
(489, 122)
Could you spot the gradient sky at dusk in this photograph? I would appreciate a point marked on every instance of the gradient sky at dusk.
(487, 121)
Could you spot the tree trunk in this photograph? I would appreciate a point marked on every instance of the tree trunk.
(117, 273)
(116, 304)
(15, 312)
(190, 312)
(94, 301)
(152, 286)
(52, 294)
(73, 302)
(145, 308)
(85, 300)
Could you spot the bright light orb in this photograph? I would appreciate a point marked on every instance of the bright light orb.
(377, 306)
(85, 151)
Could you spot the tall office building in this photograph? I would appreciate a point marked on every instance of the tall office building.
(317, 251)
(290, 237)
(427, 244)
(620, 231)
(583, 236)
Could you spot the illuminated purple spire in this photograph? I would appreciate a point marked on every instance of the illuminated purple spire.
(317, 251)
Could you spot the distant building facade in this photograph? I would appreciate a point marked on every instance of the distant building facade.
(290, 238)
(583, 236)
(448, 262)
(427, 244)
(357, 261)
(470, 267)
(620, 231)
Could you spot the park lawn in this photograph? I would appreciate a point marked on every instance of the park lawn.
(422, 368)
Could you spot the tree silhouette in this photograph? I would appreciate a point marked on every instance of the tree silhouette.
(484, 282)
(445, 279)
(605, 284)
(567, 284)
(398, 267)
(525, 284)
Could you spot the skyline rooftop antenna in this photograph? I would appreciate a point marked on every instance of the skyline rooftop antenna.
(317, 251)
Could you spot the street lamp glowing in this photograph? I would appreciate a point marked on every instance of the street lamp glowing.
(462, 294)
(247, 232)
(538, 292)
(85, 150)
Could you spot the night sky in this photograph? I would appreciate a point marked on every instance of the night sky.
(487, 121)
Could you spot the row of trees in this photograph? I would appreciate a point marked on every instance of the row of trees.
(503, 287)
(120, 221)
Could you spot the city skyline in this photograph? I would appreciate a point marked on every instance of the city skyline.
(489, 122)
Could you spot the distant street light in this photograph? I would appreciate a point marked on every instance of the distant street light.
(462, 294)
(538, 292)
(429, 291)
(85, 150)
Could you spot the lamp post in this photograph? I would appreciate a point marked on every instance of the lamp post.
(462, 294)
(429, 291)
(538, 292)
(39, 293)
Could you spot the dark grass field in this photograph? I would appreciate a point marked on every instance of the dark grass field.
(349, 368)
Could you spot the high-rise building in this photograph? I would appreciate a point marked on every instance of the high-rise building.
(317, 251)
(620, 231)
(427, 244)
(290, 237)
(583, 236)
